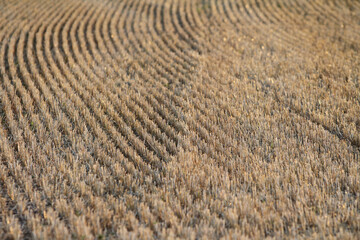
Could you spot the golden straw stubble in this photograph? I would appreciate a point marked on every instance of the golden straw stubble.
(179, 119)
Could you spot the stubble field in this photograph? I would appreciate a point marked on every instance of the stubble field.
(179, 119)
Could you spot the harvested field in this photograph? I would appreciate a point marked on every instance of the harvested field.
(179, 119)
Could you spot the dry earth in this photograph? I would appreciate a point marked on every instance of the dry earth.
(180, 119)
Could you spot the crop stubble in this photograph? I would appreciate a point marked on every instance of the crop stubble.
(169, 118)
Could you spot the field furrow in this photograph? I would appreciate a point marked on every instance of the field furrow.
(187, 119)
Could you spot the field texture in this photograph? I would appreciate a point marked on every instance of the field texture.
(180, 119)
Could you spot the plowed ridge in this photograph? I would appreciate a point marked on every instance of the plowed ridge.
(179, 119)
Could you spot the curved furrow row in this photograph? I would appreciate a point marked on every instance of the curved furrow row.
(139, 46)
(89, 107)
(178, 17)
(165, 67)
(121, 45)
(265, 23)
(133, 112)
(209, 24)
(163, 37)
(211, 129)
(81, 75)
(242, 19)
(170, 51)
(331, 129)
(303, 18)
(165, 117)
(323, 14)
(171, 64)
(135, 31)
(138, 105)
(298, 11)
(9, 71)
(329, 14)
(182, 28)
(195, 27)
(8, 30)
(127, 115)
(49, 77)
(180, 104)
(207, 43)
(58, 142)
(286, 16)
(111, 160)
(281, 17)
(26, 120)
(99, 131)
(159, 71)
(155, 128)
(168, 48)
(316, 21)
(127, 48)
(201, 24)
(141, 87)
(185, 42)
(12, 11)
(297, 40)
(68, 139)
(110, 146)
(193, 12)
(309, 30)
(66, 123)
